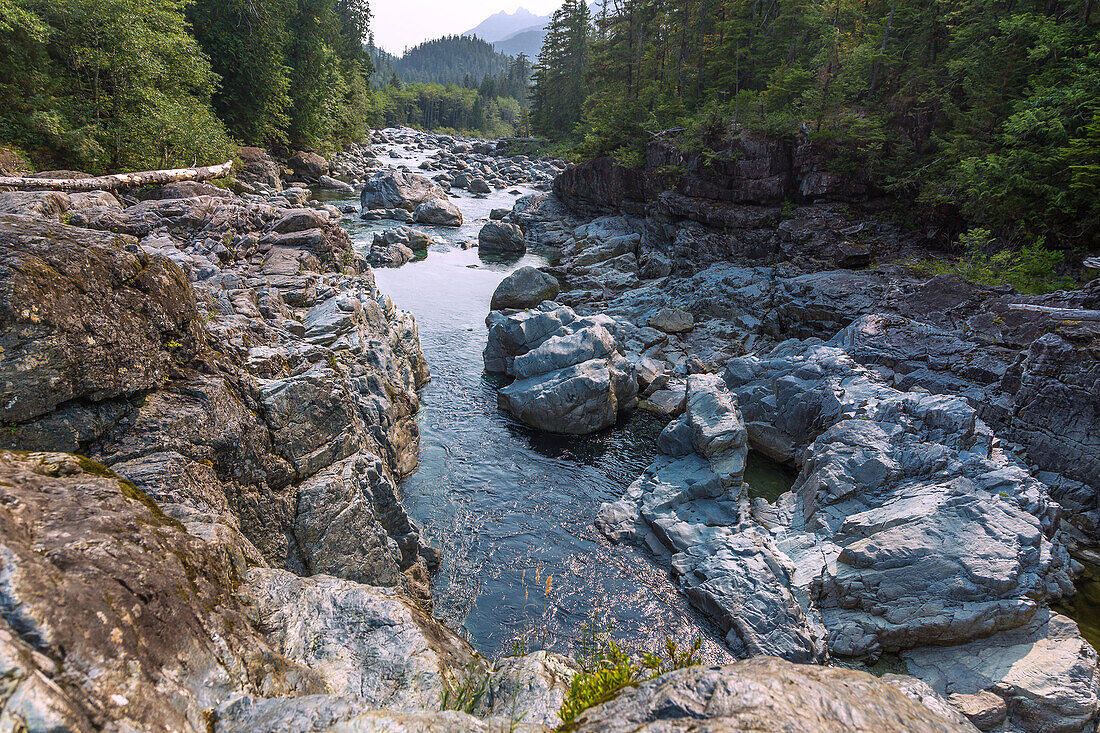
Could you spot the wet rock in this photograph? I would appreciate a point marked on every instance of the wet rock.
(500, 237)
(393, 189)
(478, 185)
(671, 320)
(438, 212)
(397, 246)
(570, 375)
(498, 214)
(524, 288)
(765, 694)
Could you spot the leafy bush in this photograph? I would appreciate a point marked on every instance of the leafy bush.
(1030, 269)
(606, 669)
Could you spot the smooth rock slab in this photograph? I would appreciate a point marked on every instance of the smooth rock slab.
(394, 189)
(1044, 670)
(765, 694)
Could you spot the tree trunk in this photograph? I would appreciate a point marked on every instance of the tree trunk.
(122, 180)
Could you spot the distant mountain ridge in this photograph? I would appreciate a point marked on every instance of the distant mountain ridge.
(501, 26)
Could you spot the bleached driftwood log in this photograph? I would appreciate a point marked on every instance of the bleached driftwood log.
(122, 180)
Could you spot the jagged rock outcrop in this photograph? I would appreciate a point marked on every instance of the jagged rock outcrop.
(247, 383)
(569, 374)
(113, 614)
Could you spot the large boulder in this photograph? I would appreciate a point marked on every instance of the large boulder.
(393, 189)
(259, 169)
(394, 247)
(308, 165)
(498, 237)
(525, 288)
(768, 694)
(438, 212)
(570, 376)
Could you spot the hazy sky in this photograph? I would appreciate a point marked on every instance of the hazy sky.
(401, 23)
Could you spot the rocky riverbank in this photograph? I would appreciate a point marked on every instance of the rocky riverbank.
(207, 405)
(944, 432)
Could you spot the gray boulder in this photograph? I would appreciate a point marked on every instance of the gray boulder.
(570, 377)
(766, 694)
(438, 212)
(394, 189)
(525, 288)
(397, 246)
(478, 185)
(671, 320)
(499, 237)
(334, 184)
(308, 165)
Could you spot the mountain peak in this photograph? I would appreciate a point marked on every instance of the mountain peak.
(499, 26)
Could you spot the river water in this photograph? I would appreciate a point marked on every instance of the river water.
(511, 509)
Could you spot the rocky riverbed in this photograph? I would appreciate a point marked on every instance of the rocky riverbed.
(210, 452)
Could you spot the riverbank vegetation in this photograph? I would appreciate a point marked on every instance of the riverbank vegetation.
(985, 108)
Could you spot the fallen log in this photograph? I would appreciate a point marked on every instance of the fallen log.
(122, 180)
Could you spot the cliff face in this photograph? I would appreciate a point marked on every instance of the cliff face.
(234, 361)
(758, 200)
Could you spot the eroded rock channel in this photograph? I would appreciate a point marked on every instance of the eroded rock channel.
(316, 458)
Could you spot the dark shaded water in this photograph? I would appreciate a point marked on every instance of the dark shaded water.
(511, 508)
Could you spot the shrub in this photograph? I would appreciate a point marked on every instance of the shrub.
(606, 669)
(1030, 269)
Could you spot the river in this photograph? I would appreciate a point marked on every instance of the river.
(511, 509)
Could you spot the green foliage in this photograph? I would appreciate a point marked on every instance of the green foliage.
(1030, 269)
(987, 109)
(496, 107)
(605, 669)
(107, 84)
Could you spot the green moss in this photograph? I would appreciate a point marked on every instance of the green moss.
(129, 489)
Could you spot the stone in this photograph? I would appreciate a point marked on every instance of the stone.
(984, 709)
(497, 237)
(365, 642)
(393, 189)
(765, 694)
(525, 288)
(308, 165)
(140, 615)
(259, 169)
(498, 214)
(579, 399)
(671, 320)
(478, 185)
(1044, 671)
(438, 212)
(397, 246)
(334, 184)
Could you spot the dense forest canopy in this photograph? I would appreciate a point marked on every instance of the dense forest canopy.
(986, 106)
(450, 60)
(117, 84)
